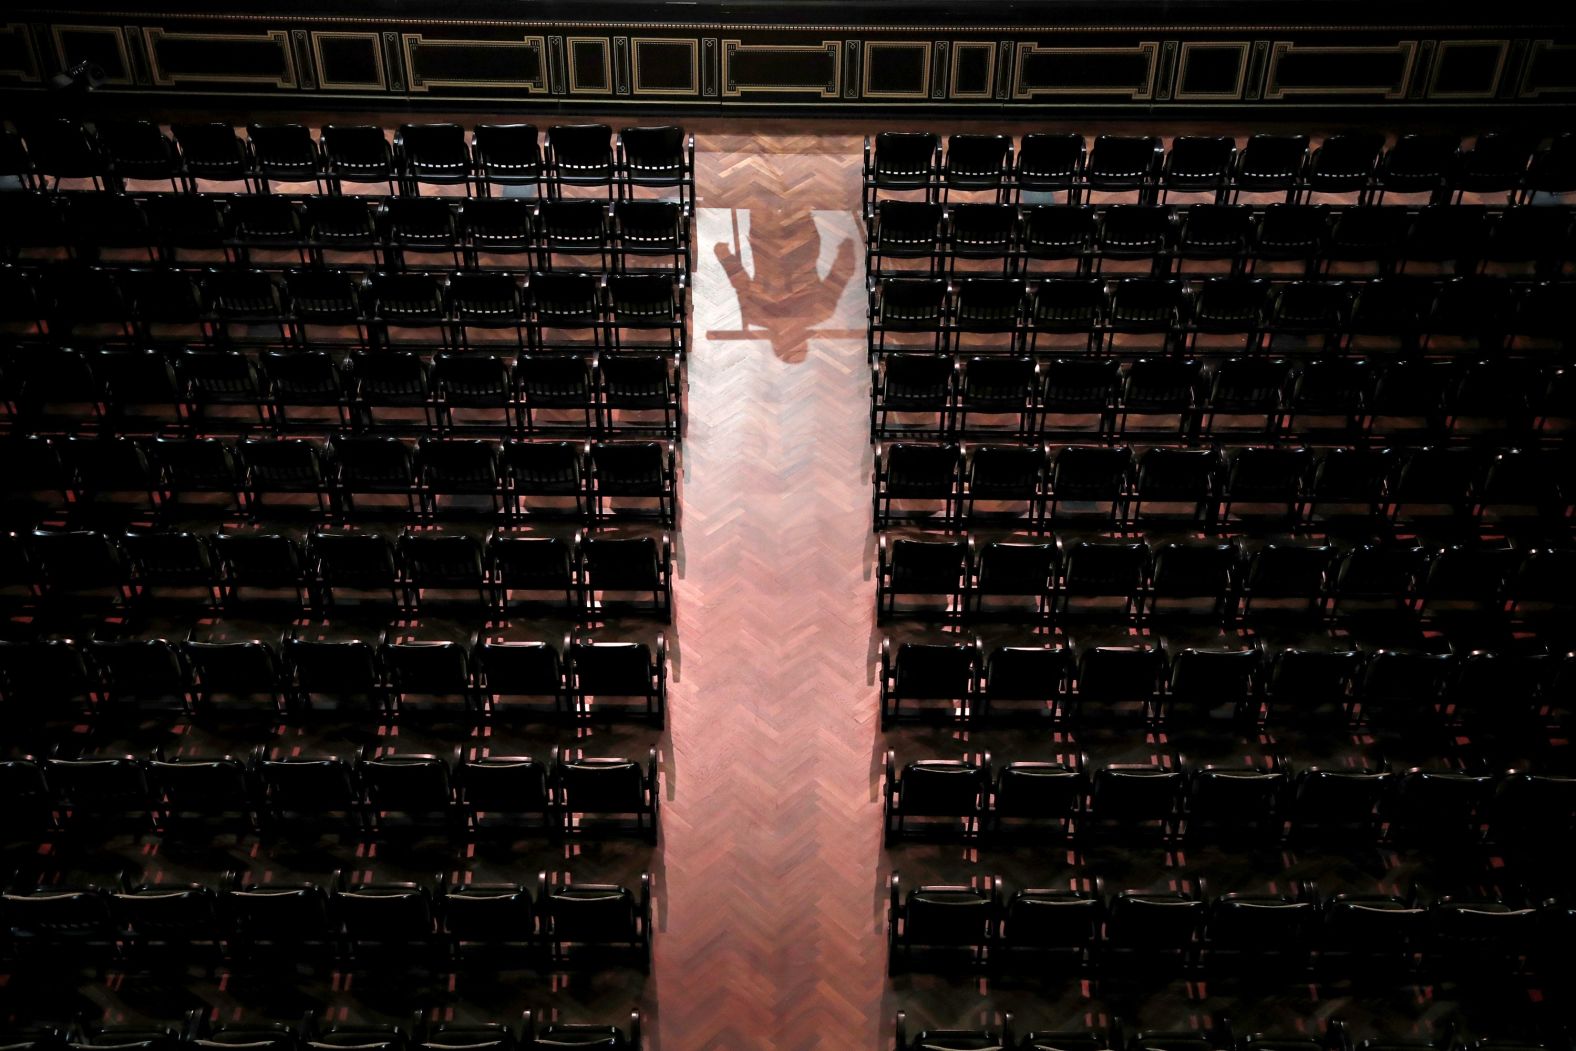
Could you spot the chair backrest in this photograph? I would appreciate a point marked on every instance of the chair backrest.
(1120, 673)
(943, 787)
(590, 913)
(529, 563)
(308, 785)
(438, 667)
(485, 912)
(509, 149)
(934, 670)
(1027, 672)
(650, 150)
(343, 667)
(407, 782)
(528, 668)
(612, 668)
(600, 785)
(905, 156)
(1004, 568)
(441, 559)
(506, 784)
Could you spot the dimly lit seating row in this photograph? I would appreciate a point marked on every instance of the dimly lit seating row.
(1238, 398)
(371, 794)
(343, 477)
(1517, 166)
(51, 679)
(947, 799)
(1001, 1033)
(585, 577)
(112, 152)
(186, 230)
(251, 924)
(1034, 487)
(1139, 580)
(1320, 565)
(134, 391)
(1130, 935)
(906, 236)
(1419, 691)
(330, 307)
(536, 1030)
(1432, 315)
(1509, 1032)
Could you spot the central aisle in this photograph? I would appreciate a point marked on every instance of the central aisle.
(770, 927)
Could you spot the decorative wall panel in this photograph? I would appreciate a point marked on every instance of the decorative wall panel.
(798, 69)
(444, 62)
(1289, 56)
(1374, 71)
(1050, 71)
(183, 58)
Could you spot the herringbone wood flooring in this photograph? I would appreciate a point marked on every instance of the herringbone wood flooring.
(772, 838)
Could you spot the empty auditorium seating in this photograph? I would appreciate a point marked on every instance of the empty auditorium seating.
(1210, 481)
(367, 795)
(1064, 316)
(1439, 168)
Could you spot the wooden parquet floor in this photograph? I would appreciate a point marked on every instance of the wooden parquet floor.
(772, 836)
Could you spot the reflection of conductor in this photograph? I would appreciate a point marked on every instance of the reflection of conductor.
(785, 298)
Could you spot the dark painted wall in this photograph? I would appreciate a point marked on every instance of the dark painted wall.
(1252, 55)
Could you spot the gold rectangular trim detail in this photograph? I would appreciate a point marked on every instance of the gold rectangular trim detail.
(1279, 48)
(1532, 53)
(634, 63)
(27, 76)
(989, 47)
(1245, 46)
(349, 85)
(281, 37)
(576, 87)
(410, 41)
(1439, 57)
(923, 46)
(1148, 48)
(832, 48)
(57, 32)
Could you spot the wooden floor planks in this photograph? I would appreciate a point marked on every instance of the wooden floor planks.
(772, 838)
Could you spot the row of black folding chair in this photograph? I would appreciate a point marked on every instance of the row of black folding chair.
(1464, 239)
(1516, 165)
(189, 230)
(1024, 579)
(245, 923)
(1512, 1031)
(1034, 487)
(346, 477)
(147, 932)
(114, 151)
(1506, 691)
(255, 307)
(112, 391)
(1241, 398)
(1408, 314)
(252, 677)
(1080, 929)
(587, 576)
(972, 799)
(570, 793)
(249, 678)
